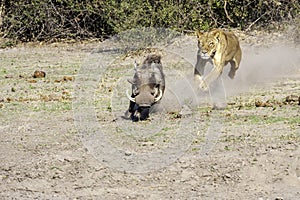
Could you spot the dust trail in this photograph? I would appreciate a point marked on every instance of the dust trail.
(259, 66)
(183, 92)
(262, 65)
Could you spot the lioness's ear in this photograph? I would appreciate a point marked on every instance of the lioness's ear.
(217, 35)
(199, 34)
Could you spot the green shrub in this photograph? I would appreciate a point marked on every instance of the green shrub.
(28, 20)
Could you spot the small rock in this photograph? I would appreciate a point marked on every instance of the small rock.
(39, 74)
(147, 143)
(274, 146)
(8, 99)
(68, 78)
(64, 79)
(227, 176)
(8, 76)
(259, 104)
(291, 98)
(263, 104)
(31, 81)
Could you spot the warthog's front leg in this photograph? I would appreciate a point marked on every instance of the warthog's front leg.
(132, 108)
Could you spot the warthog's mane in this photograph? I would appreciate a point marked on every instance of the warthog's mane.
(150, 71)
(153, 58)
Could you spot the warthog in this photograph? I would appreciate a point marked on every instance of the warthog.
(148, 86)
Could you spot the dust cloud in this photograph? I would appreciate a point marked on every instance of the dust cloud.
(259, 66)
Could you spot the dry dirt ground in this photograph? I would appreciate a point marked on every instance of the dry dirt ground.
(48, 149)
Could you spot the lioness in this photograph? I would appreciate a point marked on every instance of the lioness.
(219, 47)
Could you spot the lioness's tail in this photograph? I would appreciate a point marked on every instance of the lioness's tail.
(152, 58)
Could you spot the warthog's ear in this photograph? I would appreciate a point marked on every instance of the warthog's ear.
(199, 34)
(130, 81)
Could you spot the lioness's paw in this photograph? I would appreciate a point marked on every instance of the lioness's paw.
(203, 86)
(231, 74)
(197, 79)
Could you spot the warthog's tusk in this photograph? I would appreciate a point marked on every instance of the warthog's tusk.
(129, 97)
(156, 99)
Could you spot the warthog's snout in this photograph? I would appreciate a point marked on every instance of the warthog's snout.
(146, 95)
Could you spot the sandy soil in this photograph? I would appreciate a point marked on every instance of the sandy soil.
(63, 136)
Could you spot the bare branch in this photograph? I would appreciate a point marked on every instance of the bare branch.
(228, 17)
(247, 29)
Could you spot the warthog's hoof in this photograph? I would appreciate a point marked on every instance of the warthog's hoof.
(134, 118)
(144, 114)
(127, 114)
(231, 74)
(140, 114)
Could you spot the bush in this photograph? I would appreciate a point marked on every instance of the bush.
(29, 20)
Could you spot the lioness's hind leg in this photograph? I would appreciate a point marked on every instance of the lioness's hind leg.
(233, 69)
(235, 63)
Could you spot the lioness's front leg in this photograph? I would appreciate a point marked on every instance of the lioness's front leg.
(199, 68)
(213, 75)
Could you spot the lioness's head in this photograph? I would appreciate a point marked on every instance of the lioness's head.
(208, 42)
